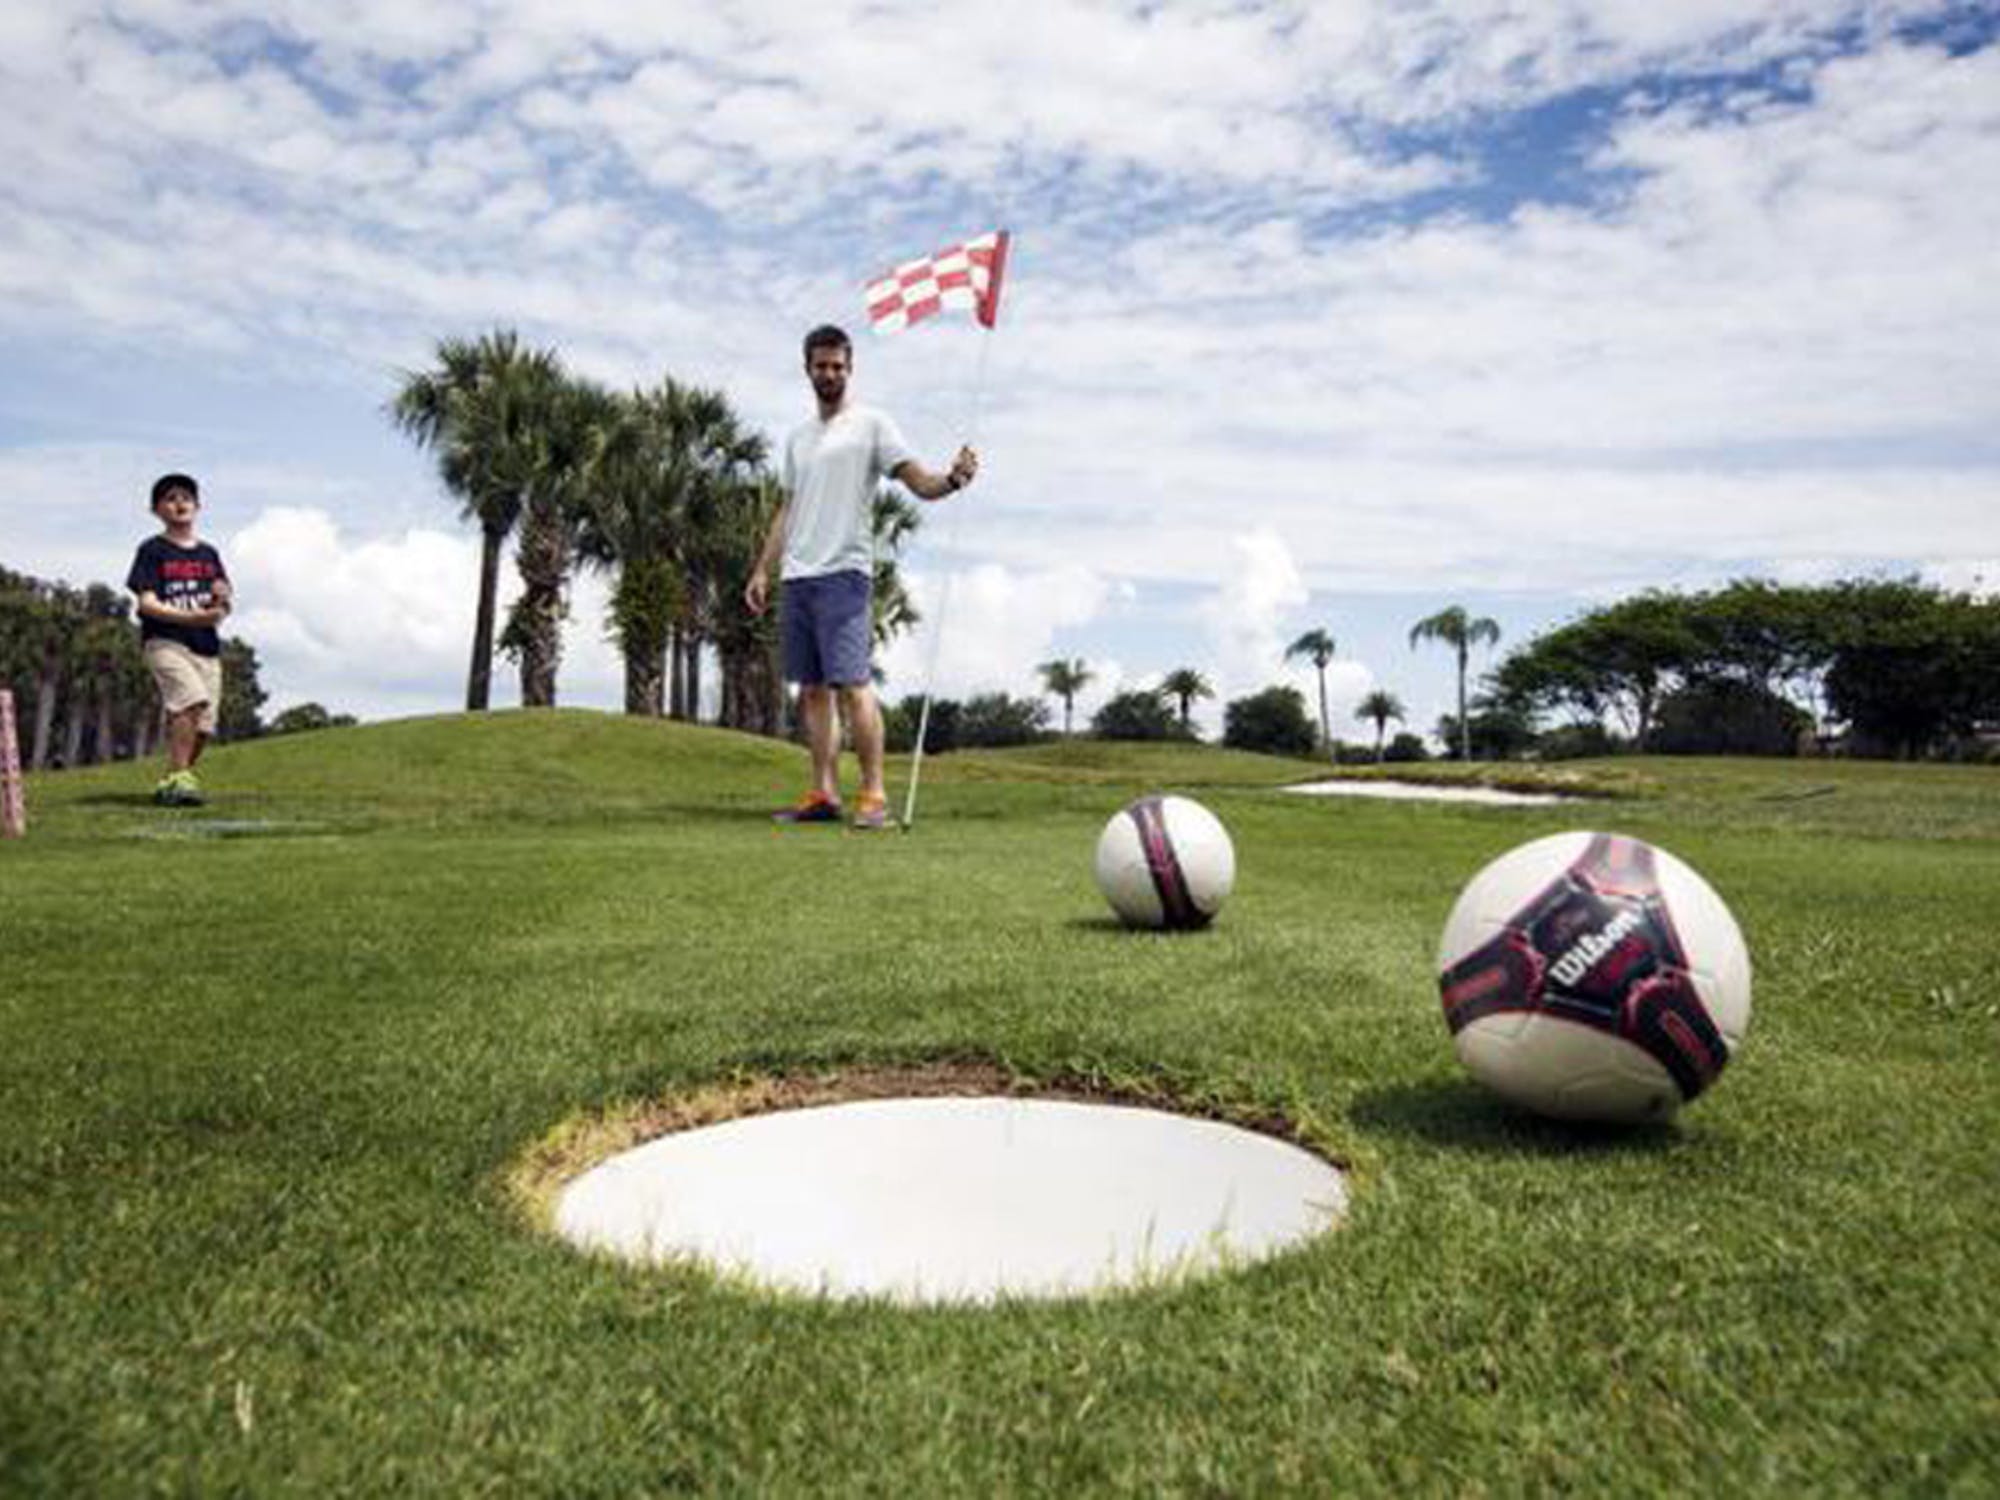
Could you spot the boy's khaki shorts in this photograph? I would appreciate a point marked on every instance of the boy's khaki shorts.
(186, 680)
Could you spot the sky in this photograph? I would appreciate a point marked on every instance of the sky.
(1319, 316)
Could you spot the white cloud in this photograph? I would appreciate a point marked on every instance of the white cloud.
(998, 626)
(1260, 586)
(343, 620)
(378, 626)
(1977, 576)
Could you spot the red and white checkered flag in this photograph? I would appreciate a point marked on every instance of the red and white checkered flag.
(963, 276)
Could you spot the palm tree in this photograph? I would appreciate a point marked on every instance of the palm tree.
(75, 651)
(483, 410)
(720, 460)
(1064, 680)
(893, 518)
(19, 606)
(628, 527)
(746, 645)
(1461, 633)
(57, 621)
(108, 636)
(532, 636)
(671, 472)
(1185, 684)
(243, 694)
(552, 511)
(1380, 706)
(142, 703)
(1317, 646)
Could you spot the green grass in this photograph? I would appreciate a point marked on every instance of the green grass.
(267, 1067)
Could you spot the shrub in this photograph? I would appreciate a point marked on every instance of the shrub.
(303, 716)
(899, 725)
(1406, 747)
(1273, 721)
(1722, 716)
(994, 719)
(1141, 714)
(1577, 742)
(1497, 733)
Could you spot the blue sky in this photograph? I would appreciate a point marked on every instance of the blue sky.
(1321, 316)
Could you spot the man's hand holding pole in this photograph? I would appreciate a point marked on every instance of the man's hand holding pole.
(964, 469)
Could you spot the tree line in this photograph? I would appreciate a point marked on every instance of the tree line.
(1273, 721)
(666, 491)
(1865, 667)
(1872, 667)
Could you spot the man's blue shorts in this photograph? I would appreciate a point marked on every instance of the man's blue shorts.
(827, 630)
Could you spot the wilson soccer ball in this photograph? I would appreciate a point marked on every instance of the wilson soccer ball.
(1593, 977)
(1165, 862)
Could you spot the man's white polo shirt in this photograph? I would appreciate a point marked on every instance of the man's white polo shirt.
(831, 471)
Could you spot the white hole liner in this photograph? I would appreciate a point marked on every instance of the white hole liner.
(956, 1199)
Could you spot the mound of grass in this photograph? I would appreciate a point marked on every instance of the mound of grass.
(549, 766)
(264, 1094)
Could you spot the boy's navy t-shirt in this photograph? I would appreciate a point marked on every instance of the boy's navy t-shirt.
(183, 577)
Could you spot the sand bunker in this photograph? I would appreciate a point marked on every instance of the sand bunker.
(1414, 791)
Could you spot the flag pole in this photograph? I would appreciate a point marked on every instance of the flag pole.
(988, 317)
(944, 606)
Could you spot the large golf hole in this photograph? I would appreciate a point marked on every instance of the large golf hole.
(956, 1199)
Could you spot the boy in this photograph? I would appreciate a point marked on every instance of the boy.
(183, 593)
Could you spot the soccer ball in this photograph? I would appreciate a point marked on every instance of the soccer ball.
(1165, 862)
(1592, 976)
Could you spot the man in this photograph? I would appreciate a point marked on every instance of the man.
(183, 595)
(825, 533)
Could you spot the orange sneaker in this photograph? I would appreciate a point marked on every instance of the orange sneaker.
(872, 813)
(813, 807)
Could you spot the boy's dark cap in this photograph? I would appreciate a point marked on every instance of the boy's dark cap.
(167, 482)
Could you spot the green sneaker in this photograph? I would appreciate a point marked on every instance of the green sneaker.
(184, 791)
(167, 793)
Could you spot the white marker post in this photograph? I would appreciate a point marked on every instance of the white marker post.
(13, 804)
